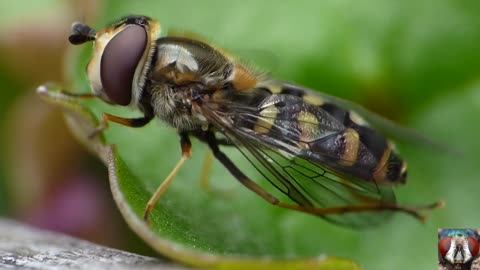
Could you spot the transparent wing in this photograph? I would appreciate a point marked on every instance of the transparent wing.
(386, 126)
(284, 131)
(306, 181)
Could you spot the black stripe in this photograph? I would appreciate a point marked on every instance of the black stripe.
(337, 112)
(394, 168)
(285, 127)
(243, 118)
(373, 141)
(288, 90)
(330, 146)
(265, 89)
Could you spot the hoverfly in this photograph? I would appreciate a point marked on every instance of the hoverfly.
(457, 247)
(312, 147)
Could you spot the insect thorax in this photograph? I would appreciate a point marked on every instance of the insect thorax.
(184, 70)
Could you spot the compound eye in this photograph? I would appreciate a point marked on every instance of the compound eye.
(119, 62)
(444, 245)
(473, 245)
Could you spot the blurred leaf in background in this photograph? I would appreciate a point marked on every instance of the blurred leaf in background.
(414, 61)
(47, 179)
(18, 71)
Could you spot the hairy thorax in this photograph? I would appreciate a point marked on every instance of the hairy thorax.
(185, 73)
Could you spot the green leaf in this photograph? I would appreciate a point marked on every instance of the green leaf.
(394, 55)
(189, 225)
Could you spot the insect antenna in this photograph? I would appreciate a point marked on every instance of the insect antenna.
(81, 33)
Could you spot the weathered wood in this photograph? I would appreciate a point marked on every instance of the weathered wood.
(25, 247)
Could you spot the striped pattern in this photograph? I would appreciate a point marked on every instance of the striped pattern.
(340, 137)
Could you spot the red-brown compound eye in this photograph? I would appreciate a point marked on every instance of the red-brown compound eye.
(119, 62)
(444, 245)
(473, 245)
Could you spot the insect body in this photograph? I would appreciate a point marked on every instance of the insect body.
(310, 146)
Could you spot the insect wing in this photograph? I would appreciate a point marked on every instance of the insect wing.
(386, 126)
(310, 184)
(306, 181)
(302, 129)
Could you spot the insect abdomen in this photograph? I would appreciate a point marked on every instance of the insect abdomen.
(326, 132)
(363, 150)
(330, 134)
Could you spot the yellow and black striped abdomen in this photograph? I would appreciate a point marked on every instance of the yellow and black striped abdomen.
(325, 133)
(364, 149)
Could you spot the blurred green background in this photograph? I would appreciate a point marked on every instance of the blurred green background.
(416, 62)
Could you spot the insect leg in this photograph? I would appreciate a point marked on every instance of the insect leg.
(131, 122)
(186, 147)
(378, 206)
(206, 168)
(239, 175)
(205, 184)
(208, 160)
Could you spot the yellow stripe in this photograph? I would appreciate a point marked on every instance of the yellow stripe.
(403, 172)
(274, 88)
(357, 119)
(265, 123)
(308, 125)
(313, 100)
(352, 142)
(380, 171)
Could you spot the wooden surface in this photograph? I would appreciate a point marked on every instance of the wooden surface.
(24, 247)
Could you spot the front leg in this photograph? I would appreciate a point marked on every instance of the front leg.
(64, 95)
(130, 122)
